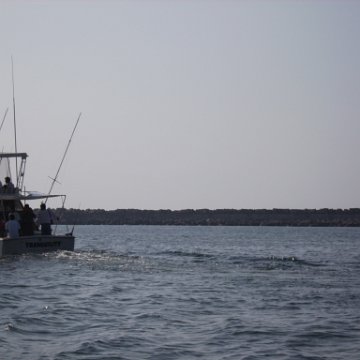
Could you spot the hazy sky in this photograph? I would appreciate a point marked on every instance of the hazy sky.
(186, 104)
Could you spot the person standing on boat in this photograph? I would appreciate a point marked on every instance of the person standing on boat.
(2, 227)
(44, 219)
(9, 187)
(27, 221)
(12, 227)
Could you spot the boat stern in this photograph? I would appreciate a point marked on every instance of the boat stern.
(36, 244)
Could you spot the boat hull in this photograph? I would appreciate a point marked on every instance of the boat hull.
(36, 244)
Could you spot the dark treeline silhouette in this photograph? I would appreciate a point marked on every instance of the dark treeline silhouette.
(227, 217)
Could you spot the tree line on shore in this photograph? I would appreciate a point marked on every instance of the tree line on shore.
(225, 217)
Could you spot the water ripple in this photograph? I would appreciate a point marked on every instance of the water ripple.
(185, 293)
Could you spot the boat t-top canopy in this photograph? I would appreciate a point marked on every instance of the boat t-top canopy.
(13, 155)
(27, 196)
(18, 194)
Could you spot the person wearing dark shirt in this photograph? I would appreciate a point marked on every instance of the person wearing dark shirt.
(27, 221)
(9, 187)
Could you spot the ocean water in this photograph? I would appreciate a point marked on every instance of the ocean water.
(151, 292)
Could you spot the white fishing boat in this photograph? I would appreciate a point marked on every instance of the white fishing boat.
(13, 202)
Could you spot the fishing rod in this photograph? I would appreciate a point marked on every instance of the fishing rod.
(73, 227)
(4, 117)
(13, 93)
(54, 180)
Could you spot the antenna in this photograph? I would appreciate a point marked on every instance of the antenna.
(63, 158)
(13, 91)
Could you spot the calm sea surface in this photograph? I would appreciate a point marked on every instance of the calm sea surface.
(148, 292)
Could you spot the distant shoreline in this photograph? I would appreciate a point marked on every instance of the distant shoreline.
(220, 217)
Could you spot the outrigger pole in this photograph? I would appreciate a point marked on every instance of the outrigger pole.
(54, 180)
(13, 91)
(4, 117)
